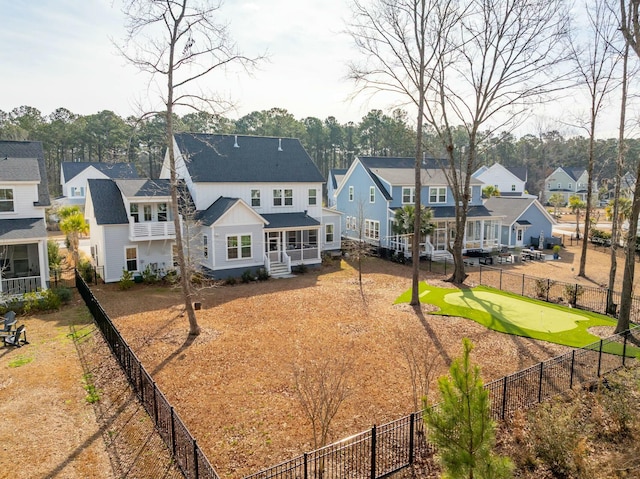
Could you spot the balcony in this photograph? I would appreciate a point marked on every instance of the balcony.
(151, 230)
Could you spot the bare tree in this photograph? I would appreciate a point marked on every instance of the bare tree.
(322, 384)
(503, 56)
(421, 361)
(181, 42)
(399, 40)
(596, 65)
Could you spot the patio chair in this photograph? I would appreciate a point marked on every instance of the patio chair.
(9, 323)
(14, 339)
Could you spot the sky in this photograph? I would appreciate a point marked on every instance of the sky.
(61, 53)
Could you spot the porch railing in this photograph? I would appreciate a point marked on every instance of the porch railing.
(27, 284)
(152, 230)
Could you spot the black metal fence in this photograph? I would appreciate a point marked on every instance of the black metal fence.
(382, 450)
(186, 453)
(545, 289)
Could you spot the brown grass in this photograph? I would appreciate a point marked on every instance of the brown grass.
(233, 384)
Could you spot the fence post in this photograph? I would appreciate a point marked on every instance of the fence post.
(195, 459)
(522, 285)
(573, 361)
(504, 398)
(575, 295)
(305, 462)
(480, 272)
(548, 288)
(411, 433)
(600, 357)
(173, 432)
(445, 266)
(540, 383)
(624, 346)
(155, 403)
(141, 383)
(500, 280)
(373, 452)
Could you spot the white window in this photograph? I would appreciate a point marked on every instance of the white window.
(238, 246)
(371, 229)
(313, 197)
(408, 195)
(328, 233)
(147, 212)
(282, 197)
(570, 186)
(77, 191)
(131, 258)
(351, 193)
(438, 194)
(559, 186)
(372, 194)
(6, 200)
(519, 235)
(255, 198)
(205, 246)
(513, 187)
(135, 214)
(162, 212)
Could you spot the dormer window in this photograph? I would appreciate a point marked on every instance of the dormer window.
(135, 214)
(6, 200)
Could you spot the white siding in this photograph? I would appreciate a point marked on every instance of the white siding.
(80, 180)
(24, 195)
(218, 246)
(116, 236)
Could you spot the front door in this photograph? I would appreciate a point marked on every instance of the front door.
(519, 237)
(274, 246)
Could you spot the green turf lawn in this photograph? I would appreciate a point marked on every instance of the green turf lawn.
(518, 315)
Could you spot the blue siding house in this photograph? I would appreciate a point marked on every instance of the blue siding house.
(373, 188)
(524, 220)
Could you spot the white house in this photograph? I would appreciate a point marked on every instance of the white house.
(249, 203)
(568, 182)
(131, 226)
(509, 181)
(74, 176)
(24, 195)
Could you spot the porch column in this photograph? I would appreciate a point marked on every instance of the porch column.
(44, 267)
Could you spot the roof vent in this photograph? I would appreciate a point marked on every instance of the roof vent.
(235, 143)
(279, 144)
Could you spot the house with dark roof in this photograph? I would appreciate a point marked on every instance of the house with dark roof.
(568, 182)
(257, 201)
(24, 195)
(524, 220)
(374, 188)
(74, 176)
(131, 226)
(508, 180)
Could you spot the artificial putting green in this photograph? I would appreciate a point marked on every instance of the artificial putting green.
(518, 315)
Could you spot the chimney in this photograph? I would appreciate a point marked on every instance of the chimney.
(235, 144)
(279, 144)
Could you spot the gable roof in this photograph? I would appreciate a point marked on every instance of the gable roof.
(519, 172)
(573, 173)
(512, 208)
(19, 169)
(108, 206)
(22, 228)
(71, 169)
(336, 175)
(132, 188)
(216, 158)
(26, 150)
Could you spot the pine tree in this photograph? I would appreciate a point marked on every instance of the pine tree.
(460, 426)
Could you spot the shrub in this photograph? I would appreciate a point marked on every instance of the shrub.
(46, 300)
(171, 277)
(149, 276)
(85, 268)
(63, 293)
(543, 286)
(230, 281)
(263, 275)
(247, 276)
(126, 280)
(572, 292)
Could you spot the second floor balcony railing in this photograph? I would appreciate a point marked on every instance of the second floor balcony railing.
(146, 230)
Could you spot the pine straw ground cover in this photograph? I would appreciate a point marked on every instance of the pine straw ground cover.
(233, 385)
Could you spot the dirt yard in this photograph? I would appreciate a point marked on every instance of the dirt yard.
(233, 385)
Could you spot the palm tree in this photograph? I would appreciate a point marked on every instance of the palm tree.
(576, 205)
(405, 217)
(489, 191)
(72, 224)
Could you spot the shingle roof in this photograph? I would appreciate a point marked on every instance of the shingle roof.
(214, 158)
(574, 173)
(441, 212)
(335, 175)
(108, 206)
(216, 210)
(19, 169)
(70, 169)
(144, 188)
(518, 171)
(29, 149)
(22, 228)
(511, 208)
(289, 220)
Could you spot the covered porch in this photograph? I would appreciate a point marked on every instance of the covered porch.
(291, 239)
(23, 256)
